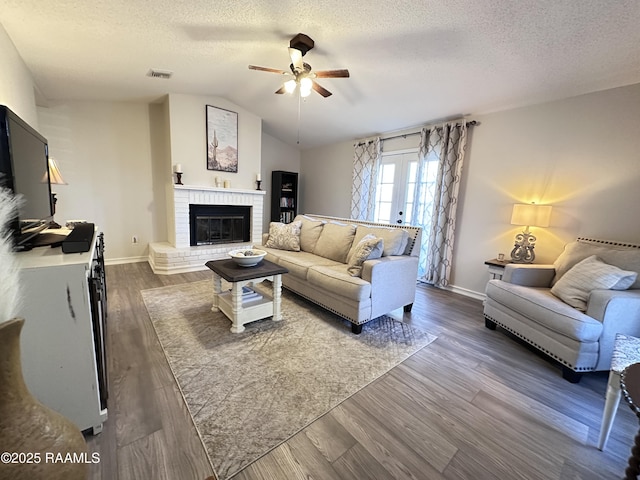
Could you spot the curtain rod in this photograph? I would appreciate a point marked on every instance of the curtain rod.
(405, 135)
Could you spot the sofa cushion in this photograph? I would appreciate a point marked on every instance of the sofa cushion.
(576, 285)
(284, 236)
(540, 306)
(337, 280)
(335, 241)
(309, 232)
(395, 239)
(297, 262)
(574, 252)
(369, 248)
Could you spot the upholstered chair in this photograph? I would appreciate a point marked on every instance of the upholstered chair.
(573, 309)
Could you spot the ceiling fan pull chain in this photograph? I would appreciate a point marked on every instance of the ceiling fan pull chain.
(299, 99)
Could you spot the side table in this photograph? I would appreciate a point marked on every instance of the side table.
(626, 350)
(496, 267)
(630, 385)
(231, 304)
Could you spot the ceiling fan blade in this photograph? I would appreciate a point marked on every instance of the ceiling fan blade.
(281, 90)
(320, 89)
(267, 69)
(339, 73)
(296, 59)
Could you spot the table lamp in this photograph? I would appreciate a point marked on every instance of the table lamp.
(529, 215)
(55, 178)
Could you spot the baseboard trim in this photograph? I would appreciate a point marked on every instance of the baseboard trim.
(466, 292)
(173, 270)
(118, 261)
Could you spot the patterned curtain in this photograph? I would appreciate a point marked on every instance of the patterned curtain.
(366, 160)
(435, 201)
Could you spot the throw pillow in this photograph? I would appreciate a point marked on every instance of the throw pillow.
(284, 236)
(309, 232)
(395, 239)
(335, 241)
(626, 258)
(590, 274)
(368, 248)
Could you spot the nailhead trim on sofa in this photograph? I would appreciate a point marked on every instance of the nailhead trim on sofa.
(544, 350)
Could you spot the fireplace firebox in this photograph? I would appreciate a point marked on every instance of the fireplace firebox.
(218, 224)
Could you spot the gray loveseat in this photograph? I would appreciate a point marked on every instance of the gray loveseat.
(571, 310)
(323, 264)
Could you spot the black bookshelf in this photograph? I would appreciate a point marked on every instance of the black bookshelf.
(284, 196)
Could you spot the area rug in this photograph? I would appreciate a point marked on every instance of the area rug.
(249, 392)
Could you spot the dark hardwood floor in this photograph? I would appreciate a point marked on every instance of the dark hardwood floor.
(475, 404)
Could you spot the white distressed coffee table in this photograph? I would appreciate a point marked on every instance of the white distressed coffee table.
(231, 303)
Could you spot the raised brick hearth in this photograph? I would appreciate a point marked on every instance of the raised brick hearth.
(176, 255)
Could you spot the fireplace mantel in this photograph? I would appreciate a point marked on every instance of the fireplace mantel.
(200, 188)
(177, 255)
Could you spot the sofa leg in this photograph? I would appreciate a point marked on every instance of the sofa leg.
(490, 324)
(570, 375)
(407, 308)
(356, 329)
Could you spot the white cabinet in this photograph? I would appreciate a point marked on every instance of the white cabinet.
(58, 348)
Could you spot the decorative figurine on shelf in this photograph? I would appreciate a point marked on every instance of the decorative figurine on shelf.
(178, 171)
(258, 181)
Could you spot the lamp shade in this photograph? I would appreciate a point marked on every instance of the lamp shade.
(531, 215)
(290, 86)
(55, 177)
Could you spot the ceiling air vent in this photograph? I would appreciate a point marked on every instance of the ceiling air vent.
(155, 73)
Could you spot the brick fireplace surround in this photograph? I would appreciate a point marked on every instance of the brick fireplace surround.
(176, 255)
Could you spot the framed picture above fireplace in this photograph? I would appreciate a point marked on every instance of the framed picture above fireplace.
(222, 139)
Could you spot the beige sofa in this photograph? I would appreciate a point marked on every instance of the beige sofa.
(332, 264)
(571, 310)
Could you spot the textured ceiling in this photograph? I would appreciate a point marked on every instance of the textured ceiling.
(411, 62)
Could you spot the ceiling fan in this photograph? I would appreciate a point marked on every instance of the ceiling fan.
(303, 76)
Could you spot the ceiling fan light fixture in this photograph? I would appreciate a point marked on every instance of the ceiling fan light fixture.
(302, 73)
(306, 83)
(290, 86)
(305, 92)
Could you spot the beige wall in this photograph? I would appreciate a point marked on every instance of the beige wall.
(326, 179)
(276, 155)
(189, 141)
(582, 155)
(103, 150)
(160, 137)
(16, 83)
(117, 159)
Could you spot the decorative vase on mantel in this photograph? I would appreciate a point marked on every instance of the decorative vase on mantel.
(41, 443)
